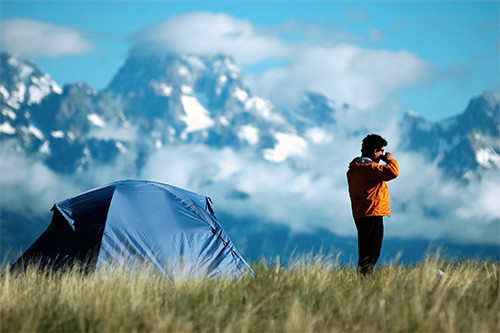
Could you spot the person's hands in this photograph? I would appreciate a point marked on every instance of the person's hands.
(386, 156)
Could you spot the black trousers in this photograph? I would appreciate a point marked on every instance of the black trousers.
(370, 234)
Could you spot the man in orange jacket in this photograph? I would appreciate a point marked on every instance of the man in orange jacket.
(370, 197)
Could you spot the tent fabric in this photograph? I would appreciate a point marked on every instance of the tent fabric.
(135, 222)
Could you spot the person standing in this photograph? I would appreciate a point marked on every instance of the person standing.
(369, 196)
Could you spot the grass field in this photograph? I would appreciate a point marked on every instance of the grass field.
(306, 296)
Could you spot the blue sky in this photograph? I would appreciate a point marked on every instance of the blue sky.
(430, 57)
(383, 58)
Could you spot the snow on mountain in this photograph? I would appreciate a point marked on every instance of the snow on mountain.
(314, 110)
(96, 120)
(248, 133)
(200, 99)
(195, 115)
(182, 99)
(288, 145)
(53, 124)
(466, 145)
(22, 82)
(7, 128)
(161, 100)
(180, 114)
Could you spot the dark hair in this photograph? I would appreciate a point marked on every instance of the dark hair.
(372, 142)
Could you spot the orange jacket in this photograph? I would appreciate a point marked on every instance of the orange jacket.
(368, 188)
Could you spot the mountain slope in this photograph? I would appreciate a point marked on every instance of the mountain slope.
(466, 146)
(192, 118)
(198, 99)
(156, 101)
(21, 82)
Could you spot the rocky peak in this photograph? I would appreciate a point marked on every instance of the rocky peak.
(22, 82)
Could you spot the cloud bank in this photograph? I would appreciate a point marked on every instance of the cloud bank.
(209, 33)
(311, 193)
(425, 203)
(33, 38)
(301, 57)
(306, 194)
(347, 73)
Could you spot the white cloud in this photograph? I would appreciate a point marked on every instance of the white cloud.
(360, 77)
(28, 183)
(305, 195)
(346, 73)
(424, 203)
(36, 38)
(273, 192)
(209, 33)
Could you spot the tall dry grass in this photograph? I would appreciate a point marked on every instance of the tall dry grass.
(309, 295)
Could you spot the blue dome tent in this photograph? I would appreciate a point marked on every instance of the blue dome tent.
(137, 222)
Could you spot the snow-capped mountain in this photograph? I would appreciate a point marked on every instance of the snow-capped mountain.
(155, 105)
(54, 124)
(156, 101)
(164, 100)
(200, 99)
(22, 84)
(465, 146)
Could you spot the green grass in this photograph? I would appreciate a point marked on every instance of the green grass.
(306, 296)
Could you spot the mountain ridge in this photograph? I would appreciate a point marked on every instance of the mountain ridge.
(175, 103)
(468, 142)
(202, 99)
